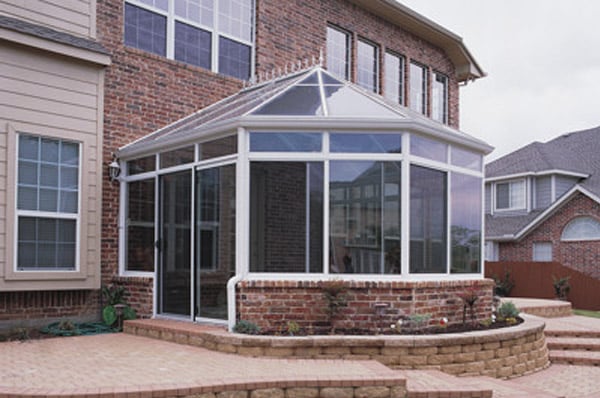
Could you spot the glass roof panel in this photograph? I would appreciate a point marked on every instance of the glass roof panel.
(330, 80)
(312, 79)
(297, 101)
(345, 101)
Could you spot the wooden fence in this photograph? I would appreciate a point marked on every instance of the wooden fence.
(534, 279)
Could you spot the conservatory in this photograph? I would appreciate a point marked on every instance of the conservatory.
(301, 179)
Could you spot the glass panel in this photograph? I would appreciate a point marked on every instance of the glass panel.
(582, 228)
(215, 239)
(141, 165)
(27, 198)
(177, 157)
(465, 158)
(28, 147)
(286, 217)
(68, 202)
(427, 220)
(69, 154)
(46, 244)
(338, 52)
(418, 88)
(439, 98)
(285, 142)
(394, 78)
(161, 4)
(145, 30)
(28, 173)
(175, 229)
(465, 226)
(517, 194)
(298, 100)
(140, 226)
(428, 148)
(220, 147)
(542, 251)
(49, 150)
(365, 143)
(345, 101)
(235, 18)
(502, 196)
(367, 65)
(69, 178)
(200, 11)
(192, 45)
(364, 217)
(48, 175)
(234, 59)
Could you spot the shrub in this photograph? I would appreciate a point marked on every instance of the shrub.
(503, 286)
(508, 310)
(115, 296)
(561, 286)
(246, 327)
(293, 328)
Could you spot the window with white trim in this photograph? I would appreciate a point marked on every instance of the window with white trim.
(511, 195)
(418, 88)
(394, 78)
(367, 65)
(582, 228)
(439, 98)
(338, 52)
(215, 35)
(491, 251)
(47, 204)
(542, 251)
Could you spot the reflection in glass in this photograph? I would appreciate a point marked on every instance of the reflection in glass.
(345, 101)
(285, 142)
(365, 143)
(465, 227)
(394, 78)
(141, 165)
(140, 226)
(298, 101)
(286, 217)
(427, 220)
(219, 147)
(177, 157)
(418, 88)
(367, 66)
(364, 217)
(215, 239)
(338, 52)
(428, 148)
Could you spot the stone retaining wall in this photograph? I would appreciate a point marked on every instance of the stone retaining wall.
(500, 353)
(311, 392)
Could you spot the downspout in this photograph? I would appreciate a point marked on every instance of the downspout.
(231, 302)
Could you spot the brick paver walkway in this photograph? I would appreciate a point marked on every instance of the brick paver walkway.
(565, 380)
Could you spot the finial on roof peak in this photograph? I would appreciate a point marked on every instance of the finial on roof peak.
(289, 68)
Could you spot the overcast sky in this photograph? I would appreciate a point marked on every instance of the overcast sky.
(542, 58)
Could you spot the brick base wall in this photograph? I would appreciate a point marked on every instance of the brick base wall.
(272, 304)
(139, 294)
(39, 308)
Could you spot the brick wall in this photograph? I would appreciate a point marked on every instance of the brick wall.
(272, 304)
(583, 256)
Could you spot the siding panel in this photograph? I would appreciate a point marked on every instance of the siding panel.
(563, 184)
(488, 199)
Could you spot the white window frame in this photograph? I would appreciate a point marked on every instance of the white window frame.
(348, 47)
(214, 31)
(48, 214)
(492, 250)
(573, 223)
(374, 58)
(394, 79)
(540, 251)
(511, 206)
(442, 114)
(422, 106)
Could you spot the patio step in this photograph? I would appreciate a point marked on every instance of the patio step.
(587, 334)
(572, 357)
(573, 343)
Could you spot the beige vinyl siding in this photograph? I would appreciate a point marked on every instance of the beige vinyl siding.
(58, 97)
(77, 17)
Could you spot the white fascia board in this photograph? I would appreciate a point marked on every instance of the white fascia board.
(537, 174)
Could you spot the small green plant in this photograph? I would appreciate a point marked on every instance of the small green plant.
(562, 287)
(115, 305)
(336, 297)
(246, 327)
(469, 298)
(508, 310)
(292, 328)
(503, 286)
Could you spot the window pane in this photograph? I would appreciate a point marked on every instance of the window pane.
(418, 88)
(364, 217)
(465, 158)
(365, 143)
(235, 18)
(234, 59)
(338, 53)
(140, 226)
(141, 165)
(200, 11)
(465, 227)
(46, 244)
(502, 196)
(542, 251)
(582, 228)
(192, 45)
(428, 148)
(439, 98)
(145, 30)
(219, 147)
(49, 150)
(177, 157)
(427, 220)
(28, 173)
(367, 66)
(394, 78)
(286, 217)
(29, 147)
(517, 194)
(285, 142)
(299, 100)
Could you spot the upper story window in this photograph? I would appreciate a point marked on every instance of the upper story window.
(439, 98)
(394, 78)
(338, 52)
(47, 204)
(215, 35)
(582, 228)
(542, 251)
(367, 66)
(418, 88)
(511, 195)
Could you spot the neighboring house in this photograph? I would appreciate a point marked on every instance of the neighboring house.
(268, 171)
(543, 203)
